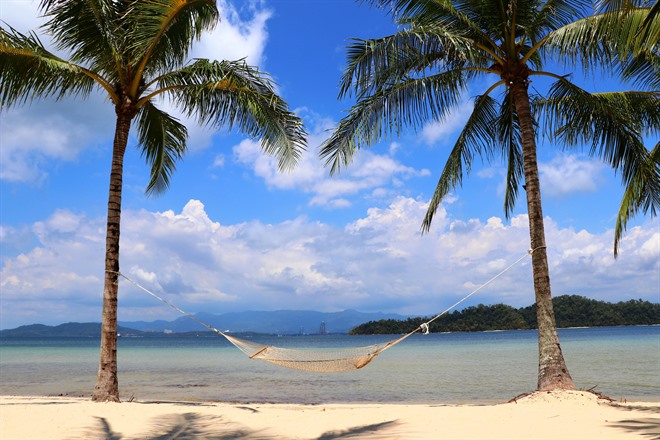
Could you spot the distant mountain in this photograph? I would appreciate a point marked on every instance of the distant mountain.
(277, 322)
(274, 322)
(70, 329)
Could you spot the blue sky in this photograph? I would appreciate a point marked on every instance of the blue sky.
(232, 234)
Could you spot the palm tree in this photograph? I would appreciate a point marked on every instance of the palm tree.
(420, 74)
(135, 52)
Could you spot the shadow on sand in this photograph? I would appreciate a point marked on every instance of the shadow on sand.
(645, 427)
(648, 427)
(191, 426)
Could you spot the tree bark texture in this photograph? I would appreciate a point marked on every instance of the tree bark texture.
(107, 384)
(553, 373)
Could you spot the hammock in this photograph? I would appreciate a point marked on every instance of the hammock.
(319, 361)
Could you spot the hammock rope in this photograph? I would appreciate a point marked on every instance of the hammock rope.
(321, 361)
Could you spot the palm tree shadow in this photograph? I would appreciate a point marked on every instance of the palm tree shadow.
(104, 431)
(187, 426)
(648, 427)
(371, 430)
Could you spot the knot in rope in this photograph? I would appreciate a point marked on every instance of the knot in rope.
(425, 328)
(531, 251)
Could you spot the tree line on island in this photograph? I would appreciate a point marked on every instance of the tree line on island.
(570, 311)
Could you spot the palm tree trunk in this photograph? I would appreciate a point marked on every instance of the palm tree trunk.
(107, 384)
(553, 373)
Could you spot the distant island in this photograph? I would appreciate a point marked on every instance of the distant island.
(570, 311)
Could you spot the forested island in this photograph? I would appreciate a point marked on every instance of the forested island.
(570, 311)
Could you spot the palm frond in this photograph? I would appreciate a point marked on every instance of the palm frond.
(408, 103)
(231, 93)
(603, 6)
(642, 193)
(642, 70)
(30, 71)
(373, 64)
(654, 13)
(603, 39)
(90, 29)
(476, 139)
(421, 11)
(614, 123)
(162, 140)
(508, 135)
(163, 32)
(453, 17)
(477, 20)
(554, 14)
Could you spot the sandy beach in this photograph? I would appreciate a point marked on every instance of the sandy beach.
(557, 415)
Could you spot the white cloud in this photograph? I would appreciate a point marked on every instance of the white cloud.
(236, 37)
(34, 136)
(369, 173)
(563, 175)
(570, 174)
(378, 262)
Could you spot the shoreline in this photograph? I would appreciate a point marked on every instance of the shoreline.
(640, 400)
(540, 415)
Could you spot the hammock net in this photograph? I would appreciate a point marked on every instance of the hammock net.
(316, 361)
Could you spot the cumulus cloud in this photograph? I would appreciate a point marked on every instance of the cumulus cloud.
(561, 176)
(241, 34)
(570, 174)
(46, 131)
(378, 262)
(369, 175)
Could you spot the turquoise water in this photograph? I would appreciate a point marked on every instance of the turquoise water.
(621, 362)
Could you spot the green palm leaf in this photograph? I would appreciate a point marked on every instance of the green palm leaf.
(642, 70)
(90, 30)
(28, 71)
(476, 139)
(231, 93)
(642, 194)
(408, 103)
(164, 30)
(613, 123)
(163, 142)
(373, 64)
(508, 134)
(603, 38)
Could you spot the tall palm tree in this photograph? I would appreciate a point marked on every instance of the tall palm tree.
(136, 51)
(421, 73)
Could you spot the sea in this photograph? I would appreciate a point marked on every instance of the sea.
(485, 367)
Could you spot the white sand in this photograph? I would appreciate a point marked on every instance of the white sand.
(557, 415)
